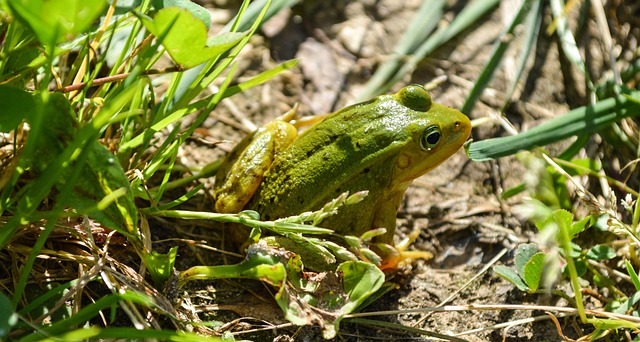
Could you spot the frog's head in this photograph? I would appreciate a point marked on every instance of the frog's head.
(435, 133)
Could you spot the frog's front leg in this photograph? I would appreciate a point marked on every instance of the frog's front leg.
(244, 168)
(397, 256)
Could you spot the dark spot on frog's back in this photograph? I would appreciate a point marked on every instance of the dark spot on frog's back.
(365, 171)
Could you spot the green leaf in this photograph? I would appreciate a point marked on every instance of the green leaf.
(499, 49)
(510, 275)
(533, 270)
(575, 252)
(52, 129)
(583, 166)
(360, 280)
(628, 305)
(602, 223)
(196, 10)
(632, 273)
(185, 37)
(581, 268)
(514, 191)
(160, 265)
(103, 192)
(58, 21)
(8, 318)
(262, 263)
(125, 6)
(558, 218)
(15, 105)
(524, 253)
(314, 255)
(601, 252)
(322, 299)
(578, 227)
(95, 333)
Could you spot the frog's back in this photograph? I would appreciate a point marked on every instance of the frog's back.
(323, 163)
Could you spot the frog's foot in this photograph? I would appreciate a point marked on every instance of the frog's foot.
(400, 257)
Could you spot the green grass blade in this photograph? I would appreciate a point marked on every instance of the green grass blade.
(531, 36)
(425, 20)
(379, 324)
(583, 120)
(381, 83)
(499, 50)
(42, 299)
(633, 275)
(128, 334)
(86, 314)
(567, 40)
(248, 18)
(629, 73)
(180, 113)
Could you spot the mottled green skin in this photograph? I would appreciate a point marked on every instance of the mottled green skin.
(374, 146)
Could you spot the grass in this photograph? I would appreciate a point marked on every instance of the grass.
(84, 170)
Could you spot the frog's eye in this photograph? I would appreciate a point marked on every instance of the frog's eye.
(430, 137)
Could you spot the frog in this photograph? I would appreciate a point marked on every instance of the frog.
(379, 146)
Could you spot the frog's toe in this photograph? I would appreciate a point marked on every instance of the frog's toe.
(403, 258)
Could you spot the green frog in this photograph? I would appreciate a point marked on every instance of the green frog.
(380, 146)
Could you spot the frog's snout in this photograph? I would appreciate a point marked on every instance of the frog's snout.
(462, 127)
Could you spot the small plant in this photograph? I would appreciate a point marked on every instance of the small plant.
(81, 110)
(581, 252)
(529, 263)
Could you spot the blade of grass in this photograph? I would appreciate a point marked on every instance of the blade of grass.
(583, 120)
(423, 23)
(182, 198)
(382, 82)
(196, 123)
(39, 301)
(377, 324)
(499, 49)
(41, 187)
(633, 275)
(629, 73)
(568, 41)
(534, 21)
(95, 333)
(249, 18)
(180, 113)
(87, 313)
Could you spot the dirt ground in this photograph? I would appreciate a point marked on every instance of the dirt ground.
(457, 206)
